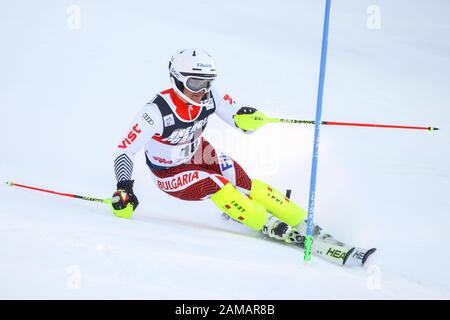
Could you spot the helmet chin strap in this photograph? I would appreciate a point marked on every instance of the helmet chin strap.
(183, 96)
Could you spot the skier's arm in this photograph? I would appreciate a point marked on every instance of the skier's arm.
(145, 124)
(247, 119)
(227, 109)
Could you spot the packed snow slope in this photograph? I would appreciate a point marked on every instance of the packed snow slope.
(70, 86)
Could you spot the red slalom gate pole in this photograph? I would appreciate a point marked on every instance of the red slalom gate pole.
(70, 195)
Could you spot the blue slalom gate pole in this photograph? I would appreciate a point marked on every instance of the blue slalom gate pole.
(315, 157)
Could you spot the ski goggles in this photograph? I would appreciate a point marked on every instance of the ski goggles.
(196, 85)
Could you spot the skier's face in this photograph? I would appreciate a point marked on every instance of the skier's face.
(197, 97)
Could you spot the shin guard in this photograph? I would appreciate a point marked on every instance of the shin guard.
(277, 203)
(240, 207)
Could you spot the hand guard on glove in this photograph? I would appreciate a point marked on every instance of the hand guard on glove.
(124, 201)
(249, 119)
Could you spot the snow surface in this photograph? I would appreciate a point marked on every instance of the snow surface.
(67, 97)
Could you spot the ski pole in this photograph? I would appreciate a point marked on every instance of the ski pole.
(354, 124)
(259, 119)
(13, 184)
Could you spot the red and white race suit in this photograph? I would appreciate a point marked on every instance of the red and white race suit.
(182, 163)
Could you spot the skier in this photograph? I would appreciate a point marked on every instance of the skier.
(186, 166)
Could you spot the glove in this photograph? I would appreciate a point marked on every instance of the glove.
(124, 201)
(249, 119)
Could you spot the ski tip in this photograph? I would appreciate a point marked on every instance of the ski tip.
(368, 254)
(357, 257)
(347, 256)
(9, 183)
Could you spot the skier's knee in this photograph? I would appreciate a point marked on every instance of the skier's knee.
(277, 203)
(239, 207)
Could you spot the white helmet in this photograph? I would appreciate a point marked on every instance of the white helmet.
(193, 69)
